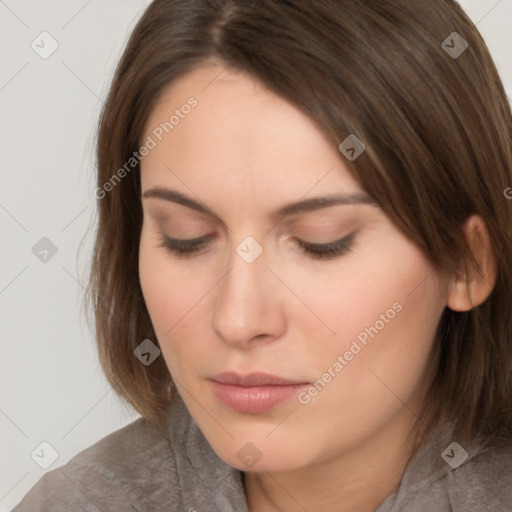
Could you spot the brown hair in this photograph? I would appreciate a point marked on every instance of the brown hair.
(437, 129)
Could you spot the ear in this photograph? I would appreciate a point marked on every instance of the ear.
(469, 288)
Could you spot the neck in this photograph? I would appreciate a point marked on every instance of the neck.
(358, 480)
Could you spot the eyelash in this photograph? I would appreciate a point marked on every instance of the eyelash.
(187, 248)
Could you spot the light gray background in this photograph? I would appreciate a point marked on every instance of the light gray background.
(52, 386)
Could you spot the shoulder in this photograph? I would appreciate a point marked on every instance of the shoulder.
(481, 482)
(446, 478)
(485, 481)
(130, 466)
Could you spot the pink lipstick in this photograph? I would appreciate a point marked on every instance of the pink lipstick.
(254, 393)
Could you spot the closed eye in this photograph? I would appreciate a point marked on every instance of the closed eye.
(330, 250)
(186, 248)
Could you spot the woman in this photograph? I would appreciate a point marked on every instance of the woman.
(300, 275)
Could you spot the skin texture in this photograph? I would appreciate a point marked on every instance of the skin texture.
(244, 152)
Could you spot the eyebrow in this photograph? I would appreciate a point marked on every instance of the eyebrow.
(302, 206)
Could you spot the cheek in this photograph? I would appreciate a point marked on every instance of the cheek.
(173, 301)
(369, 290)
(152, 275)
(165, 287)
(385, 297)
(156, 275)
(384, 321)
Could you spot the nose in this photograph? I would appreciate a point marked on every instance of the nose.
(249, 308)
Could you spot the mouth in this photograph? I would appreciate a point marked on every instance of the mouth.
(254, 393)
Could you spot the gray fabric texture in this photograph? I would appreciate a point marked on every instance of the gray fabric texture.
(137, 469)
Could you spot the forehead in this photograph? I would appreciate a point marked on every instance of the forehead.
(234, 102)
(241, 132)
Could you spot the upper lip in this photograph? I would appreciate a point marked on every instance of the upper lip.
(254, 379)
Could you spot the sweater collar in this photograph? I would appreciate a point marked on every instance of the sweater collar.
(213, 481)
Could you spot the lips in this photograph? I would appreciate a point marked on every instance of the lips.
(254, 393)
(254, 379)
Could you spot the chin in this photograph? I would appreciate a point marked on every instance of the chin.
(257, 457)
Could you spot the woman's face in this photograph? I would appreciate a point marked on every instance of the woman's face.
(354, 330)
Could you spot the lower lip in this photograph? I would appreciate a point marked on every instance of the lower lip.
(254, 399)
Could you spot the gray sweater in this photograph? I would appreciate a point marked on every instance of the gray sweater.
(137, 469)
